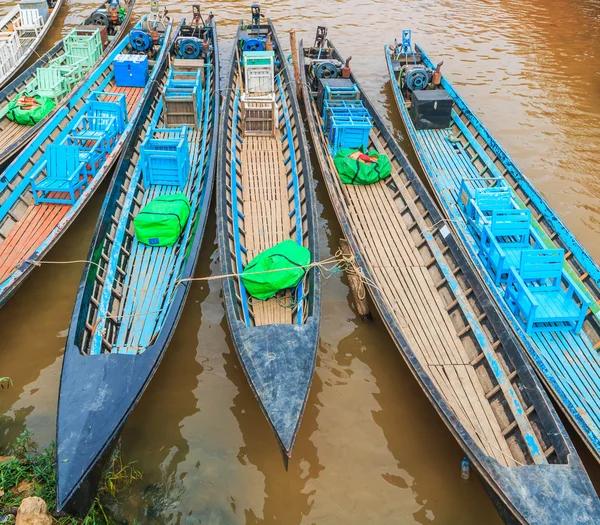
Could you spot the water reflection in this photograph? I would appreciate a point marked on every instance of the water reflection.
(370, 449)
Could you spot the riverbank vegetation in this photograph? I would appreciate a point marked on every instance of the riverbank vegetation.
(25, 472)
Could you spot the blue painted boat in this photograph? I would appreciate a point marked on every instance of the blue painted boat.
(559, 324)
(132, 294)
(13, 136)
(32, 221)
(450, 333)
(265, 196)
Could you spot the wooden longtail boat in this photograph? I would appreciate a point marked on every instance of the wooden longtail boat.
(466, 166)
(446, 327)
(21, 31)
(132, 294)
(265, 196)
(30, 223)
(14, 136)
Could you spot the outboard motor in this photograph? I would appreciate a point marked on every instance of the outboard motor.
(100, 17)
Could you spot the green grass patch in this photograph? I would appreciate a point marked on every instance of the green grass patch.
(31, 473)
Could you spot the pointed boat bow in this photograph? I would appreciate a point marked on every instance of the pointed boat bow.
(97, 393)
(279, 361)
(543, 494)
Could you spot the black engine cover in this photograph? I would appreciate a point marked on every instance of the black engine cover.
(431, 109)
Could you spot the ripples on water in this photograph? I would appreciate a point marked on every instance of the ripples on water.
(371, 449)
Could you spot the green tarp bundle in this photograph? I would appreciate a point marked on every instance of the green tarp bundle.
(162, 220)
(288, 258)
(354, 171)
(29, 114)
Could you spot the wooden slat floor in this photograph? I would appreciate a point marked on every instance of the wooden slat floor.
(408, 289)
(151, 272)
(266, 211)
(571, 358)
(39, 221)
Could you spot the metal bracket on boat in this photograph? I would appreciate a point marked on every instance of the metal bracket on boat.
(320, 36)
(256, 16)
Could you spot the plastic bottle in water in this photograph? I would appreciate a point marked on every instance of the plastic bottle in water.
(465, 470)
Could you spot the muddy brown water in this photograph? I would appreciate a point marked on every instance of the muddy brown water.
(371, 449)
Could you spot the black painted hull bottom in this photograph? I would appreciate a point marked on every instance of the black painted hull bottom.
(81, 500)
(504, 511)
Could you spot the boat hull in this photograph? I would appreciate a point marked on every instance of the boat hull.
(523, 493)
(12, 89)
(278, 358)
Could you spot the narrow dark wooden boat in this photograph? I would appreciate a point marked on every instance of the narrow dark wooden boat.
(43, 190)
(266, 196)
(21, 31)
(14, 136)
(440, 316)
(132, 294)
(481, 190)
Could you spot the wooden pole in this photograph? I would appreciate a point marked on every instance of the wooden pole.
(295, 61)
(357, 287)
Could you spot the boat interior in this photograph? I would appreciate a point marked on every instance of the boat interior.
(403, 244)
(265, 173)
(46, 182)
(133, 283)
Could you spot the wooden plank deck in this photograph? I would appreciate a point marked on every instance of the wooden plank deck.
(410, 293)
(266, 211)
(39, 221)
(151, 272)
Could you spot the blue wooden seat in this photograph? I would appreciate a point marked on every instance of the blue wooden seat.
(543, 296)
(63, 175)
(165, 161)
(503, 240)
(479, 210)
(117, 107)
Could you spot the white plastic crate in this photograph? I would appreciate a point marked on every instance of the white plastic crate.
(259, 71)
(10, 51)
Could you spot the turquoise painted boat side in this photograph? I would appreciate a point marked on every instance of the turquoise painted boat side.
(568, 363)
(9, 285)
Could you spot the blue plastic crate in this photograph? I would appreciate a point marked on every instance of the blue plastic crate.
(131, 70)
(349, 104)
(348, 128)
(166, 161)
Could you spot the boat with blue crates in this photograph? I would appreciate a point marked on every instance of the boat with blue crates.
(265, 196)
(55, 75)
(21, 31)
(453, 337)
(511, 234)
(133, 288)
(43, 190)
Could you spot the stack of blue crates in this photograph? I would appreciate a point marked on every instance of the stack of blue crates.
(346, 121)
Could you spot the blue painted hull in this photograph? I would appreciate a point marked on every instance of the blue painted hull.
(567, 363)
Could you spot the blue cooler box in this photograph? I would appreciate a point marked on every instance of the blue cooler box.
(131, 70)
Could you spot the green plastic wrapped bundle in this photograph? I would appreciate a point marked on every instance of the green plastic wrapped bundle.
(28, 111)
(354, 166)
(162, 220)
(288, 258)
